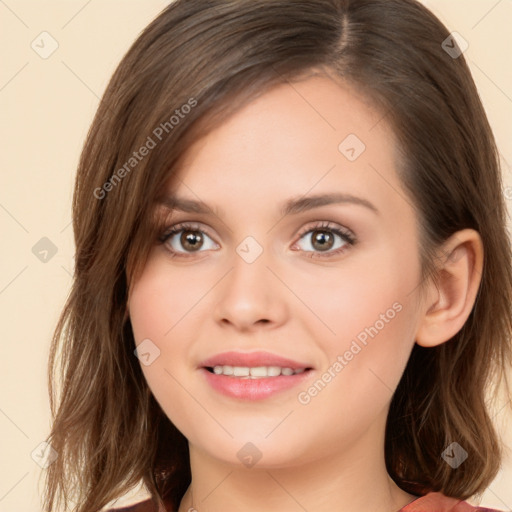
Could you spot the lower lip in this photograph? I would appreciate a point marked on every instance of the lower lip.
(253, 389)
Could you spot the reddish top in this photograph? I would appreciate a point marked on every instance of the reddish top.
(431, 502)
(438, 502)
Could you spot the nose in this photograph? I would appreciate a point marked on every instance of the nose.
(250, 297)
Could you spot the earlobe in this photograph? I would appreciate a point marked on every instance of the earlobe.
(452, 295)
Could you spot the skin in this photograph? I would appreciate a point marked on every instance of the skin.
(329, 453)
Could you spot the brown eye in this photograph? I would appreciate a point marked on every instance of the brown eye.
(183, 240)
(322, 240)
(325, 240)
(191, 240)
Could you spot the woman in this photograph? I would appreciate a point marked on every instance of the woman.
(293, 278)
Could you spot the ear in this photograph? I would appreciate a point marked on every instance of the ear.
(452, 293)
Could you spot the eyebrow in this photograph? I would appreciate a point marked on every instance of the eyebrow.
(291, 207)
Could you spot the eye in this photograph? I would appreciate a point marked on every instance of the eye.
(326, 238)
(192, 239)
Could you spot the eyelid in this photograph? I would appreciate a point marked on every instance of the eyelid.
(168, 224)
(327, 225)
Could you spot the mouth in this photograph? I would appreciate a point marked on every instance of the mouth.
(255, 372)
(253, 375)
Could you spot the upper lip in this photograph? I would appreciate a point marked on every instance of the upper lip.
(252, 360)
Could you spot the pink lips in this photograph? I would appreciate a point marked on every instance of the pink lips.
(252, 389)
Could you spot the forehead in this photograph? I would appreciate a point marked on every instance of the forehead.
(313, 134)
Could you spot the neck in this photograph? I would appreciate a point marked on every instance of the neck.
(342, 480)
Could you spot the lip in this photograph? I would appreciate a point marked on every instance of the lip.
(253, 389)
(252, 359)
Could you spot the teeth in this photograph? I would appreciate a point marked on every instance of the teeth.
(240, 371)
(273, 371)
(226, 370)
(257, 372)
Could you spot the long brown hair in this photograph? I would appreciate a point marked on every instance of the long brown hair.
(199, 61)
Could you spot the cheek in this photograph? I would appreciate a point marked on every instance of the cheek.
(365, 362)
(371, 313)
(363, 294)
(155, 311)
(162, 305)
(161, 298)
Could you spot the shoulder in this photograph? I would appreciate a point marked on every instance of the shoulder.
(441, 503)
(142, 506)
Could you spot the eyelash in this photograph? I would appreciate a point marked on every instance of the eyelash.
(344, 234)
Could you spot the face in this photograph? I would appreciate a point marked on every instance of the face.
(307, 250)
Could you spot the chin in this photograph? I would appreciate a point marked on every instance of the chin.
(254, 451)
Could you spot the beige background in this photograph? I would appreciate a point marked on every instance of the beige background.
(47, 105)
